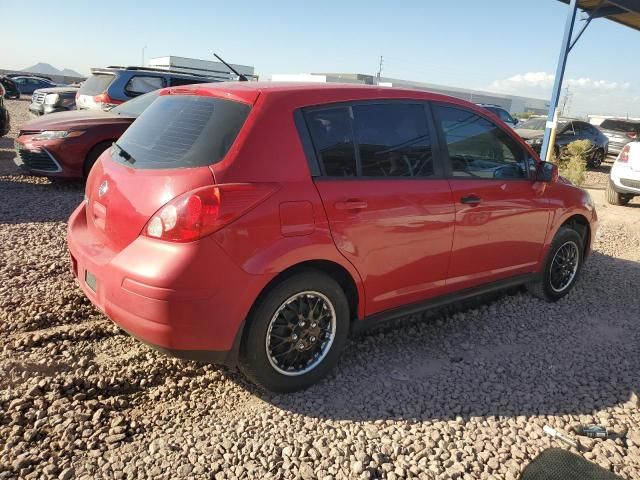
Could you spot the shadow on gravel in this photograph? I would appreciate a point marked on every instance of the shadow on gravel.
(24, 201)
(515, 356)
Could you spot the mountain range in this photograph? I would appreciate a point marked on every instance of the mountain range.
(48, 69)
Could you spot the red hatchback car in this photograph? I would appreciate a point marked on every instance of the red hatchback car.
(67, 144)
(259, 224)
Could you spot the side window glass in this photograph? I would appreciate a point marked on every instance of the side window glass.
(332, 138)
(393, 140)
(176, 82)
(478, 148)
(143, 84)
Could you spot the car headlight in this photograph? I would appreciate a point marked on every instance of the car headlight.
(51, 99)
(534, 141)
(53, 134)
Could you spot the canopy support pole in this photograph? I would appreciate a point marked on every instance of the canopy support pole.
(557, 84)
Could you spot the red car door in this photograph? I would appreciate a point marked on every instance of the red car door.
(501, 212)
(389, 206)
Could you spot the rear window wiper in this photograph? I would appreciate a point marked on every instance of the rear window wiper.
(124, 154)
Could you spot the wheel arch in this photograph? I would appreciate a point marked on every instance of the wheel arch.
(329, 267)
(580, 224)
(92, 151)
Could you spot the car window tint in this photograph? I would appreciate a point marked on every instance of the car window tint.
(478, 148)
(96, 83)
(333, 140)
(176, 82)
(182, 131)
(393, 140)
(140, 84)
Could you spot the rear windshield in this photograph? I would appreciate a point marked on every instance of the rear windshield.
(96, 84)
(620, 125)
(181, 131)
(133, 108)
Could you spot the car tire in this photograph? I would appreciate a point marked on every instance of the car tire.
(561, 267)
(616, 198)
(92, 157)
(597, 159)
(303, 309)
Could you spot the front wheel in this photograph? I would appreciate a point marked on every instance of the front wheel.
(295, 333)
(561, 266)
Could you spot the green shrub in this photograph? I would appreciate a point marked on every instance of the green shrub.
(572, 162)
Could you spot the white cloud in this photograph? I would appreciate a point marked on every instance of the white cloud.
(542, 82)
(588, 95)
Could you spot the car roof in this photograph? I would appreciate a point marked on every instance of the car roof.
(307, 94)
(113, 69)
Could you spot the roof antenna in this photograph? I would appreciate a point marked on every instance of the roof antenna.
(241, 77)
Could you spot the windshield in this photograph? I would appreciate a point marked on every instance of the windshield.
(533, 124)
(181, 131)
(96, 84)
(133, 108)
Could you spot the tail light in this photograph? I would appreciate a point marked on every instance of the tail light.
(105, 101)
(632, 135)
(202, 211)
(623, 157)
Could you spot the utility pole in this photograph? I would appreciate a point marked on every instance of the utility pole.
(566, 102)
(379, 71)
(143, 49)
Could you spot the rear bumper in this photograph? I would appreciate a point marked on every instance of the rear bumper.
(624, 179)
(189, 300)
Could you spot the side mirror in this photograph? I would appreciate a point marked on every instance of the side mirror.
(515, 121)
(547, 172)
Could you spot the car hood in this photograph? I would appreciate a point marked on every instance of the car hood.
(529, 134)
(59, 90)
(74, 120)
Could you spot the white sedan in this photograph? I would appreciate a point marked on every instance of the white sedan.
(624, 179)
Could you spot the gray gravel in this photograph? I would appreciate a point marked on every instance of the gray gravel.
(448, 395)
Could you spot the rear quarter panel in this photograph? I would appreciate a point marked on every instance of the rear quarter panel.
(268, 149)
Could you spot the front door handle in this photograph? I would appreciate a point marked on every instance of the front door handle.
(471, 200)
(351, 205)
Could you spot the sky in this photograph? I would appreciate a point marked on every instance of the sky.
(508, 46)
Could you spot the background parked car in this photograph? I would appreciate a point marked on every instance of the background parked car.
(501, 113)
(620, 132)
(67, 144)
(5, 120)
(569, 130)
(50, 100)
(28, 84)
(10, 87)
(624, 178)
(110, 86)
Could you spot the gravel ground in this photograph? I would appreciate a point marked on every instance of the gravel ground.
(450, 395)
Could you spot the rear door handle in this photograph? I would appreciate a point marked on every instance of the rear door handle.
(471, 200)
(351, 205)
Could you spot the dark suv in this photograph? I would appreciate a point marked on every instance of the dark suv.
(107, 87)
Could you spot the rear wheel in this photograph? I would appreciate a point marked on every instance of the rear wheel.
(616, 198)
(295, 333)
(92, 157)
(597, 159)
(561, 266)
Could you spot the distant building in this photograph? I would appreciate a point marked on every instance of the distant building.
(216, 70)
(513, 103)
